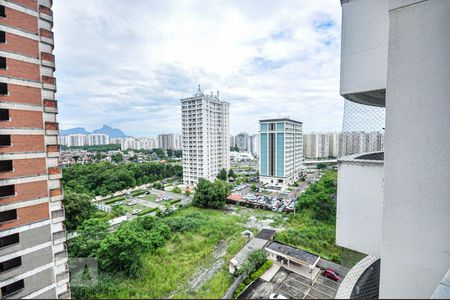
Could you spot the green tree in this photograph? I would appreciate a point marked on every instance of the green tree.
(321, 166)
(170, 153)
(117, 158)
(90, 235)
(255, 260)
(118, 210)
(231, 174)
(160, 153)
(78, 208)
(211, 194)
(223, 175)
(176, 190)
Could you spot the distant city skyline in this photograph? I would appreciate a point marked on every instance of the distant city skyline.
(130, 70)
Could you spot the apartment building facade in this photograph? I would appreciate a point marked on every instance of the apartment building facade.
(205, 137)
(394, 206)
(243, 141)
(97, 139)
(169, 141)
(33, 256)
(281, 148)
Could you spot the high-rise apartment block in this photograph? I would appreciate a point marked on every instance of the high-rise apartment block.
(206, 137)
(98, 139)
(169, 141)
(281, 150)
(395, 205)
(254, 145)
(243, 141)
(33, 255)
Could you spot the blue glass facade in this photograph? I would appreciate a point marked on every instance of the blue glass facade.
(272, 149)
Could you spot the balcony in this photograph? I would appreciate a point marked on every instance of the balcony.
(360, 202)
(364, 51)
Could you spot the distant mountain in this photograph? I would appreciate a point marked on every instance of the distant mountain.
(111, 132)
(76, 130)
(108, 130)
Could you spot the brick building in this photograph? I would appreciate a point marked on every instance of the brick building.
(33, 256)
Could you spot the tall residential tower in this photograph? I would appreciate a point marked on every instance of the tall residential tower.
(281, 152)
(206, 137)
(33, 256)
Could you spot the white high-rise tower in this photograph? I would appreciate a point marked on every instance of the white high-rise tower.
(206, 137)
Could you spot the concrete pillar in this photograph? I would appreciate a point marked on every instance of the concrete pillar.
(416, 213)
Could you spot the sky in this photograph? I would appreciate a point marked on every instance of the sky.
(127, 65)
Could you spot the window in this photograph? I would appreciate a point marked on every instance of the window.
(3, 88)
(2, 11)
(3, 63)
(7, 190)
(9, 240)
(10, 264)
(6, 165)
(5, 140)
(12, 288)
(2, 37)
(4, 114)
(8, 215)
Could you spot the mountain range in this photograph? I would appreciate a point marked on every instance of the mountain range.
(108, 130)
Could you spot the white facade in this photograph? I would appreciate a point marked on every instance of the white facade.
(360, 204)
(243, 141)
(77, 140)
(98, 139)
(396, 53)
(169, 141)
(206, 137)
(254, 145)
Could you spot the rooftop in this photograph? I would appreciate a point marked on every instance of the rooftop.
(280, 120)
(298, 254)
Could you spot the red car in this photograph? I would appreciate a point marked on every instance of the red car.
(329, 273)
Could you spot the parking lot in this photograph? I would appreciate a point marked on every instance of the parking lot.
(292, 286)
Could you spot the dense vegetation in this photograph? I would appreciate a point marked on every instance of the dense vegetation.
(105, 178)
(313, 227)
(211, 194)
(78, 208)
(152, 257)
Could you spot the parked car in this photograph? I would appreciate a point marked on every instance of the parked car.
(277, 296)
(136, 211)
(330, 273)
(132, 203)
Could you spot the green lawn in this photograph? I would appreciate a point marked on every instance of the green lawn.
(129, 208)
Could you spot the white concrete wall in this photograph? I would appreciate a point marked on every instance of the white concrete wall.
(364, 46)
(416, 224)
(360, 207)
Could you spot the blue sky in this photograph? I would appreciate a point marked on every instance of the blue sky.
(127, 65)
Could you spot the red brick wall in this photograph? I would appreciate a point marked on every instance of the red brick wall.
(23, 94)
(51, 126)
(31, 4)
(54, 171)
(27, 215)
(20, 69)
(20, 20)
(26, 167)
(55, 192)
(45, 10)
(27, 191)
(25, 143)
(46, 33)
(47, 56)
(24, 119)
(20, 45)
(48, 80)
(52, 148)
(50, 103)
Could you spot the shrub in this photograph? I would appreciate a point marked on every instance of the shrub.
(146, 211)
(115, 199)
(255, 275)
(137, 193)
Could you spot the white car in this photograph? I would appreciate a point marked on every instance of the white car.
(136, 211)
(277, 296)
(132, 203)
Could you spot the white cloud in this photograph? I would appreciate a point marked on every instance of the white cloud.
(127, 65)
